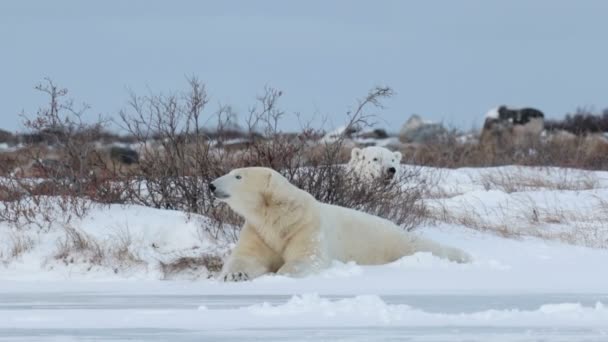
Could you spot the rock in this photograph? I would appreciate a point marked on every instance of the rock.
(124, 155)
(417, 130)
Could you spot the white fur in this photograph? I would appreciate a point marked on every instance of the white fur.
(374, 162)
(288, 232)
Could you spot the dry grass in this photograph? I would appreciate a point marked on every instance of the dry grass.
(551, 179)
(581, 152)
(18, 244)
(77, 246)
(205, 263)
(523, 216)
(468, 217)
(119, 251)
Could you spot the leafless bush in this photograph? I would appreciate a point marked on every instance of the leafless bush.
(176, 173)
(32, 204)
(59, 176)
(321, 173)
(62, 127)
(177, 159)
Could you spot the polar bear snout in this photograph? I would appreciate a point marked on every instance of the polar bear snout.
(217, 191)
(389, 174)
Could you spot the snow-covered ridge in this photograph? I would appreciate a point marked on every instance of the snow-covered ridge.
(533, 276)
(542, 213)
(372, 310)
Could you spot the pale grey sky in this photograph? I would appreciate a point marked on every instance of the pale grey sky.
(447, 60)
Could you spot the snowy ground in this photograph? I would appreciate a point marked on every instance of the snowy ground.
(195, 316)
(537, 281)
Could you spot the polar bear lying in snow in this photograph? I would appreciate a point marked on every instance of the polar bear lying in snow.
(287, 231)
(374, 163)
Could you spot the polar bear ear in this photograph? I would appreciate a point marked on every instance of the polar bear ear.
(398, 156)
(356, 153)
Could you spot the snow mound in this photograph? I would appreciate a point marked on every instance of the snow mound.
(372, 310)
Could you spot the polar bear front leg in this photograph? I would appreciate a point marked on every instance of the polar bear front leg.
(250, 258)
(303, 257)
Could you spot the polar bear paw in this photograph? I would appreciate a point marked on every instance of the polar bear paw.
(236, 276)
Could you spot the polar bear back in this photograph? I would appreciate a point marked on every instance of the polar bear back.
(352, 235)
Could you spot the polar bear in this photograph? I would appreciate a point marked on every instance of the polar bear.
(287, 231)
(374, 163)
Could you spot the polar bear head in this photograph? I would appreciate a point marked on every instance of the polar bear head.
(374, 162)
(248, 190)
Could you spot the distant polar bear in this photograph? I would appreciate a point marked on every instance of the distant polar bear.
(287, 231)
(374, 163)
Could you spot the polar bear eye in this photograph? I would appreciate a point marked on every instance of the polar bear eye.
(375, 159)
(238, 177)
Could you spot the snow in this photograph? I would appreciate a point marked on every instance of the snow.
(537, 267)
(333, 136)
(492, 113)
(5, 147)
(308, 316)
(311, 310)
(372, 310)
(539, 248)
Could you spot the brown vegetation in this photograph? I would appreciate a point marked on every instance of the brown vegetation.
(62, 170)
(166, 158)
(584, 152)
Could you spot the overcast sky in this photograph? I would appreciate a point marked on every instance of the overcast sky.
(446, 60)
